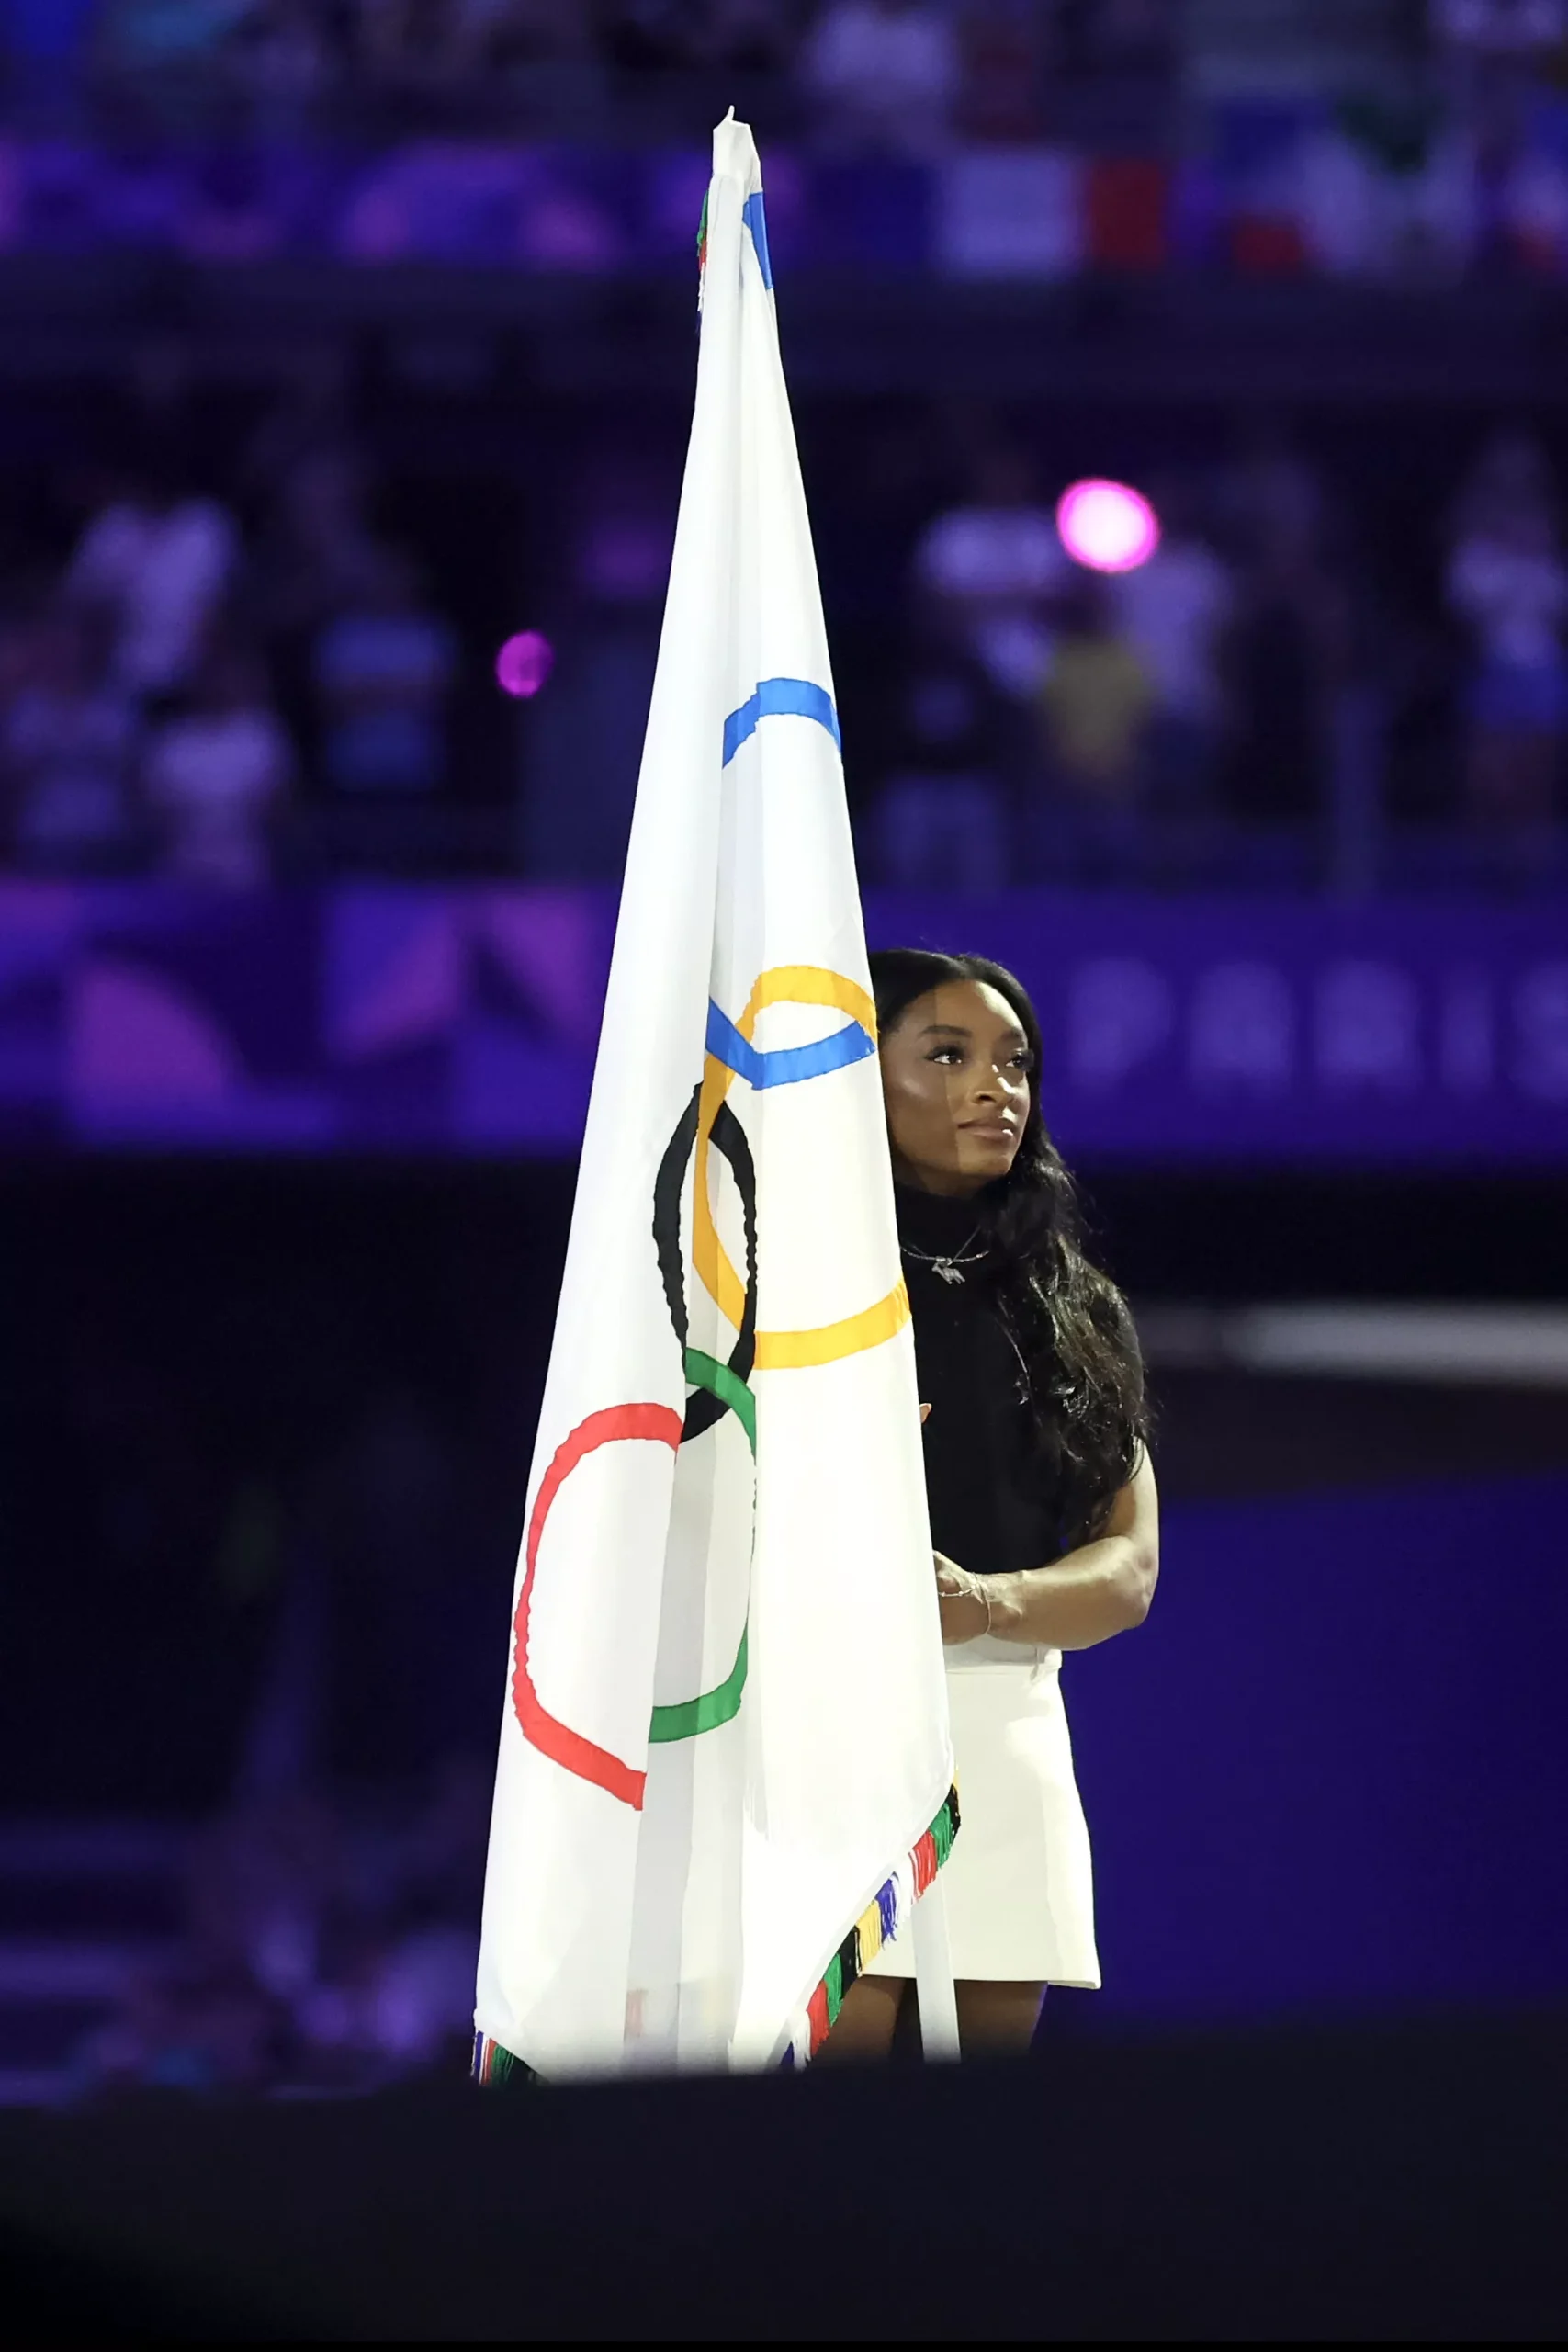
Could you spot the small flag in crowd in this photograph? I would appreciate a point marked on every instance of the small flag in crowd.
(725, 1771)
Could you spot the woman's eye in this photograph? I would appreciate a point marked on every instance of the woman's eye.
(945, 1052)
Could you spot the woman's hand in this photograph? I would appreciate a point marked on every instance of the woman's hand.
(965, 1612)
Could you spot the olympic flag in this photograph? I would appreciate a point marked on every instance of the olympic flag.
(724, 1768)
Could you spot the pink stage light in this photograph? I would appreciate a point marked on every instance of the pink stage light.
(523, 663)
(1107, 525)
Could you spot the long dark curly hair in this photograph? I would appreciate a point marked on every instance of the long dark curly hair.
(1075, 1335)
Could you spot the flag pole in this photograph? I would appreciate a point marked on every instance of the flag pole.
(934, 1974)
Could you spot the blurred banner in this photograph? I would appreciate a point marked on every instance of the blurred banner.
(464, 1019)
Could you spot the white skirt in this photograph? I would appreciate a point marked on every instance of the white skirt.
(1019, 1884)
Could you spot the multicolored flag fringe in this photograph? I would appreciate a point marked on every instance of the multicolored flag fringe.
(725, 1771)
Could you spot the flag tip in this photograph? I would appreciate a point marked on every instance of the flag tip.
(734, 150)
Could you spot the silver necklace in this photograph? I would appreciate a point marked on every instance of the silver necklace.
(947, 1267)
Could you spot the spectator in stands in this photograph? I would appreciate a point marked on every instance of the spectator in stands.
(1496, 39)
(218, 2015)
(1283, 655)
(1284, 659)
(659, 36)
(883, 75)
(215, 776)
(188, 2029)
(1509, 585)
(532, 31)
(67, 739)
(411, 49)
(751, 36)
(324, 1951)
(1271, 498)
(406, 47)
(582, 743)
(1174, 612)
(316, 553)
(1095, 702)
(157, 561)
(650, 36)
(1492, 59)
(285, 55)
(1002, 60)
(384, 666)
(150, 41)
(940, 821)
(992, 570)
(1123, 36)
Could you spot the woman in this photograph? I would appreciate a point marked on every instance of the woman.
(1042, 1495)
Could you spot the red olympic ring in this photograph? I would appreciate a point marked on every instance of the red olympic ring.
(562, 1746)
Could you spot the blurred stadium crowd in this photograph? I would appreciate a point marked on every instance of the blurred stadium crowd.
(1036, 136)
(238, 642)
(898, 76)
(264, 666)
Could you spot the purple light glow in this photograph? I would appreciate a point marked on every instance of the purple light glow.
(1106, 525)
(523, 663)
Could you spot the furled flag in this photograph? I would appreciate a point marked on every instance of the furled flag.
(724, 1767)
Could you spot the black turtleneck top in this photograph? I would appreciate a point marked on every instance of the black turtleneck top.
(988, 1480)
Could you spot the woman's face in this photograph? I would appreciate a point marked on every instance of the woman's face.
(955, 1078)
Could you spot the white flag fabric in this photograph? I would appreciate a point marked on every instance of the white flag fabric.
(725, 1765)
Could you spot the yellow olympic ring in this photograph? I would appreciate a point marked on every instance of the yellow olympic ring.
(784, 1351)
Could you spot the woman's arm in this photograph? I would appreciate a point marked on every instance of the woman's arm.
(1104, 1587)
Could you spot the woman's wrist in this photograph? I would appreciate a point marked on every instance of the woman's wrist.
(980, 1594)
(1005, 1614)
(964, 1602)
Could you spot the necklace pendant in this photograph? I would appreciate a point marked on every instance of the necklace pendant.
(947, 1269)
